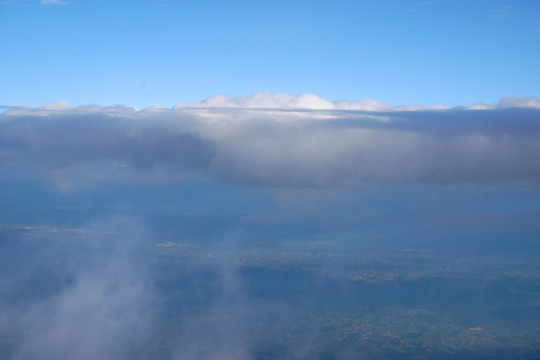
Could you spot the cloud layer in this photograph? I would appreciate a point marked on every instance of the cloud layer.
(275, 140)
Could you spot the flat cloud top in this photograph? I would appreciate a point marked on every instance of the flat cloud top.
(275, 140)
(263, 100)
(314, 102)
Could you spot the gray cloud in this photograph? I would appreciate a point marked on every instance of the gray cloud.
(257, 140)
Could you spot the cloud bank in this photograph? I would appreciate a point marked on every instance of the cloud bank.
(275, 140)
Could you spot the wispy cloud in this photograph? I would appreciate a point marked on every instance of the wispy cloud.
(501, 11)
(276, 140)
(425, 3)
(107, 291)
(53, 2)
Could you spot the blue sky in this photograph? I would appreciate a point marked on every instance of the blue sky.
(139, 53)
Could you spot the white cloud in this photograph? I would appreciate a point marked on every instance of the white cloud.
(56, 106)
(276, 140)
(263, 100)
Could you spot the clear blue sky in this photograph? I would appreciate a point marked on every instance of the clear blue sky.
(140, 53)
